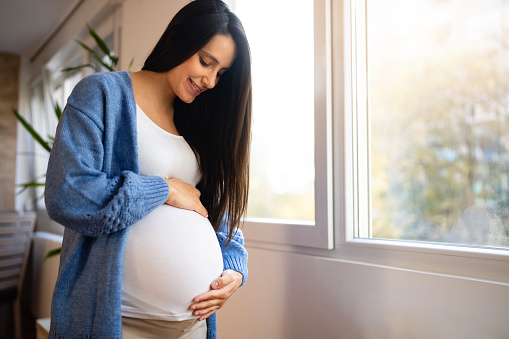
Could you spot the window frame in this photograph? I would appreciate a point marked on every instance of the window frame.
(484, 263)
(477, 264)
(317, 233)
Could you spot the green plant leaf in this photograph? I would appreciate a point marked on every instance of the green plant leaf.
(53, 253)
(100, 42)
(33, 154)
(90, 50)
(58, 113)
(32, 132)
(96, 56)
(28, 185)
(70, 69)
(104, 48)
(130, 65)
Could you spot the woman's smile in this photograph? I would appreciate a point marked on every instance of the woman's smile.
(195, 88)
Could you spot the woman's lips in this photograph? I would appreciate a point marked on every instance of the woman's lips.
(194, 87)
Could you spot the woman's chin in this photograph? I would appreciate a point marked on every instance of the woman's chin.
(188, 99)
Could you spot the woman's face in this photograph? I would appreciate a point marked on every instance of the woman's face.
(203, 70)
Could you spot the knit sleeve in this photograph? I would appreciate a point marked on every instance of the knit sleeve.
(235, 254)
(79, 192)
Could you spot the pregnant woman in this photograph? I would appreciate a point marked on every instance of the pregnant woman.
(149, 174)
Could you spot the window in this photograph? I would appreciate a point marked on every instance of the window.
(291, 178)
(356, 241)
(431, 135)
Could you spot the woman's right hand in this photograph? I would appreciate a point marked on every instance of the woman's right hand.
(184, 195)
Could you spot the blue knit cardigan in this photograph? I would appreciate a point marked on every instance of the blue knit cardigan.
(94, 189)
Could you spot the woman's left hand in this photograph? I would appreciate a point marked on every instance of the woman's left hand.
(221, 289)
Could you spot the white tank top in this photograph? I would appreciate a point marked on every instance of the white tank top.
(171, 255)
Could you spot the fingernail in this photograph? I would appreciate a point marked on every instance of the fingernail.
(217, 284)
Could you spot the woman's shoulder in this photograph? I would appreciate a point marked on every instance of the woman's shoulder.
(95, 88)
(107, 81)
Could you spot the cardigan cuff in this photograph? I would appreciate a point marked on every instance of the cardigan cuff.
(156, 191)
(236, 264)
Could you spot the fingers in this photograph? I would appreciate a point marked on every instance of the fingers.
(228, 277)
(213, 295)
(184, 195)
(221, 289)
(201, 210)
(206, 315)
(208, 304)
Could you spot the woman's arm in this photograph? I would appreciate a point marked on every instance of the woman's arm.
(91, 185)
(235, 254)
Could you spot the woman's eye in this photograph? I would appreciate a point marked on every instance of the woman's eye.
(203, 62)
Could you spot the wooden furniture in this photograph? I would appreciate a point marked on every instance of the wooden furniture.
(15, 238)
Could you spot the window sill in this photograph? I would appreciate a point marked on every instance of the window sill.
(464, 262)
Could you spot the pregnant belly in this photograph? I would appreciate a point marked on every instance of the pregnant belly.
(171, 256)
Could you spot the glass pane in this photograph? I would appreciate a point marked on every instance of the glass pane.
(439, 120)
(282, 160)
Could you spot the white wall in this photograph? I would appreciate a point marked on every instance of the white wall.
(143, 22)
(294, 296)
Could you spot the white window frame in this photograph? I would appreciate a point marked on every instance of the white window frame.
(483, 263)
(317, 233)
(40, 123)
(465, 262)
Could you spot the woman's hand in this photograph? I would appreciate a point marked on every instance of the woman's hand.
(222, 288)
(184, 195)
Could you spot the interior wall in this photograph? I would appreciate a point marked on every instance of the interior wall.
(9, 83)
(142, 24)
(294, 296)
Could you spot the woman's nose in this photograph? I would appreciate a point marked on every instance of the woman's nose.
(210, 80)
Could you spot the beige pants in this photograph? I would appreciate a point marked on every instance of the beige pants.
(133, 328)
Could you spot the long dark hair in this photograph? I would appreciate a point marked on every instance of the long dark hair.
(217, 124)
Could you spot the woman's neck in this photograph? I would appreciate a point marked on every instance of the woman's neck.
(155, 97)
